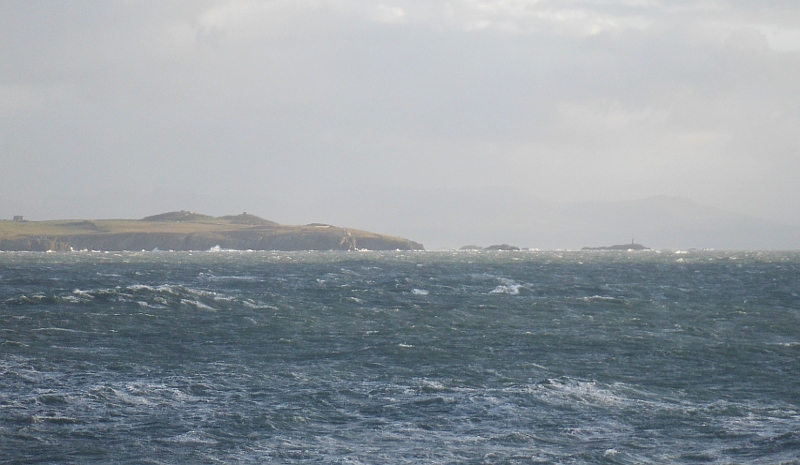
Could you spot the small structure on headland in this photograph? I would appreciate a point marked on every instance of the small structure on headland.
(19, 218)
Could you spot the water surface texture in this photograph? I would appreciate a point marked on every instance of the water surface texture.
(400, 357)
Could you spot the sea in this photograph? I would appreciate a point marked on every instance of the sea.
(428, 357)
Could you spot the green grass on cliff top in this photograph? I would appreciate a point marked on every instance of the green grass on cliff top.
(12, 229)
(76, 227)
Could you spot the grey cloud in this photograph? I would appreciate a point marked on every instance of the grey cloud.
(287, 101)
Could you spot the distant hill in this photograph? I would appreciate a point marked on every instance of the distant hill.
(184, 230)
(182, 215)
(448, 218)
(253, 220)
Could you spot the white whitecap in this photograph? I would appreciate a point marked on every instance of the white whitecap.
(198, 304)
(510, 290)
(192, 437)
(507, 286)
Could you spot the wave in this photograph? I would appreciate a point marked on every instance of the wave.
(508, 286)
(56, 329)
(212, 277)
(192, 437)
(199, 305)
(605, 298)
(163, 296)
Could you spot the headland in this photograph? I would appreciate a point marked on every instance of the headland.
(184, 230)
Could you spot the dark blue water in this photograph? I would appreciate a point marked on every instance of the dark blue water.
(391, 358)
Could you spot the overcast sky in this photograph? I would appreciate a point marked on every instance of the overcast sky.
(127, 108)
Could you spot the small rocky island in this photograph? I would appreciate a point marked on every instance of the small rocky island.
(632, 246)
(184, 230)
(491, 247)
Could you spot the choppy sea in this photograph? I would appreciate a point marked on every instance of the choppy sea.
(400, 357)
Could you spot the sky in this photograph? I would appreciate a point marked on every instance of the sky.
(126, 108)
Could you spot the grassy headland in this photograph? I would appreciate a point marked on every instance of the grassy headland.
(189, 231)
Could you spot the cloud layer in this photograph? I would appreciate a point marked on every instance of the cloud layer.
(129, 108)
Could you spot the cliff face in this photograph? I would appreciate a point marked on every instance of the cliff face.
(229, 233)
(33, 244)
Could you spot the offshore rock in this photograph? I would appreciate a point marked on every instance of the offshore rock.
(491, 247)
(631, 246)
(502, 247)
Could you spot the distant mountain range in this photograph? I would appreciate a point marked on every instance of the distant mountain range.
(450, 218)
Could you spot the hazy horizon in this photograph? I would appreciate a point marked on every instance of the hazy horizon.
(280, 108)
(445, 219)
